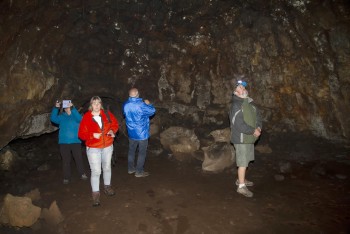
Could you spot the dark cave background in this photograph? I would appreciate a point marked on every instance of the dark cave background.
(183, 55)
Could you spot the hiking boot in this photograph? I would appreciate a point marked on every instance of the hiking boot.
(84, 177)
(109, 191)
(95, 198)
(246, 182)
(66, 181)
(143, 174)
(131, 172)
(244, 191)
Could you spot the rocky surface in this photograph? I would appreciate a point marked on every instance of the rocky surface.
(19, 211)
(183, 55)
(300, 186)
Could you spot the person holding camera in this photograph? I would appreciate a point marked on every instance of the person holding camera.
(137, 113)
(68, 121)
(98, 129)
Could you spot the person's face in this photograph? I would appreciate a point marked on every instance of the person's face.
(241, 91)
(67, 110)
(96, 105)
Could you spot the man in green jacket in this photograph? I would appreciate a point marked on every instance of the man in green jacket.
(245, 122)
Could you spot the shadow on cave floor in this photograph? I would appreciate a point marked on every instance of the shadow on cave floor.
(178, 197)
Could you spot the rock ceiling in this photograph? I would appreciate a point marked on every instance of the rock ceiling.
(183, 55)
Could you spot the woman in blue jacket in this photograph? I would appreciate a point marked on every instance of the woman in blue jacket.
(68, 121)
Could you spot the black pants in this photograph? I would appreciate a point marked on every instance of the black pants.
(66, 150)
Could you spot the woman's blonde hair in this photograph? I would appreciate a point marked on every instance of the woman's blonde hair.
(94, 98)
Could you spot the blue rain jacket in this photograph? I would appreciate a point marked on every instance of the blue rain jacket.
(137, 114)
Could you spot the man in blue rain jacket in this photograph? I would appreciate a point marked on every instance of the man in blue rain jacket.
(137, 113)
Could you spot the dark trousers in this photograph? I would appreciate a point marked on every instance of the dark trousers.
(142, 145)
(67, 150)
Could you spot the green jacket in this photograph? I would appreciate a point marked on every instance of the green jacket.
(249, 116)
(244, 119)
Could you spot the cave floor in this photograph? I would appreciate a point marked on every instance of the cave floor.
(179, 198)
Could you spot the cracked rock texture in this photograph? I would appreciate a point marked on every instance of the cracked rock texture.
(183, 55)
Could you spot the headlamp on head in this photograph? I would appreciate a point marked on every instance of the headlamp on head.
(243, 83)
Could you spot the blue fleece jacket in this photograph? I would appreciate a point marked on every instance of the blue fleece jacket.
(68, 125)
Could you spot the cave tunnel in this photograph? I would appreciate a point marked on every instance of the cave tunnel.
(185, 57)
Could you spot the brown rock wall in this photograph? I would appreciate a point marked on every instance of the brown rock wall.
(294, 54)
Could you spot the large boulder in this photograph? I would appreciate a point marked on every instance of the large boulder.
(222, 135)
(182, 142)
(34, 195)
(8, 159)
(19, 211)
(53, 215)
(218, 157)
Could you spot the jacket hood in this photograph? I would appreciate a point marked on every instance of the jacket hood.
(238, 99)
(134, 99)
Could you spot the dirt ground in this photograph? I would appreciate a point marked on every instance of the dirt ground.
(178, 197)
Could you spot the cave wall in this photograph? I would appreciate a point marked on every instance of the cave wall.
(183, 55)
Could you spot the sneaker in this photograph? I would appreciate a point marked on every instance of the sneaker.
(143, 174)
(246, 182)
(84, 177)
(131, 172)
(66, 181)
(245, 191)
(95, 198)
(109, 191)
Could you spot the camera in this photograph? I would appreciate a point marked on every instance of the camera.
(66, 103)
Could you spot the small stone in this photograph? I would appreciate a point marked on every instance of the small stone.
(44, 167)
(279, 177)
(285, 167)
(341, 177)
